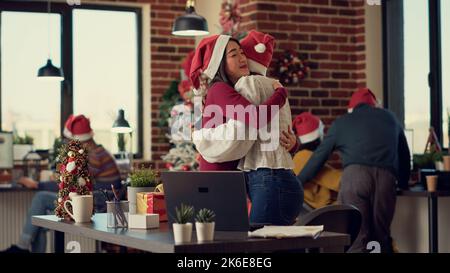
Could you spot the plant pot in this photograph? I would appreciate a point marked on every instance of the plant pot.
(132, 191)
(21, 150)
(182, 233)
(439, 165)
(205, 231)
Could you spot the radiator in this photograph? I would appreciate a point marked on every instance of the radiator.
(14, 206)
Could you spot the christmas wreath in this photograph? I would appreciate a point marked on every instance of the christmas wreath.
(291, 68)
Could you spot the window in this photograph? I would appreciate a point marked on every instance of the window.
(29, 106)
(99, 49)
(105, 70)
(416, 65)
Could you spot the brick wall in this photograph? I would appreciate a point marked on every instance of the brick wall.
(331, 34)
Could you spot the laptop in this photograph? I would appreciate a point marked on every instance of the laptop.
(223, 192)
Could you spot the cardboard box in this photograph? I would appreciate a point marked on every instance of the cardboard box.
(143, 221)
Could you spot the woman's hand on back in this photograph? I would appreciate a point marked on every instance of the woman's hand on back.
(288, 139)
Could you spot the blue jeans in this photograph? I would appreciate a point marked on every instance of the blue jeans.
(276, 195)
(43, 203)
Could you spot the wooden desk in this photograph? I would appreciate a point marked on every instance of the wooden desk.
(432, 212)
(161, 240)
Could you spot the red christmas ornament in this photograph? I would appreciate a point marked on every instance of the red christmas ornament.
(185, 167)
(71, 166)
(169, 165)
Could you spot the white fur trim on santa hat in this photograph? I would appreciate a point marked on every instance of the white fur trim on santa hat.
(310, 137)
(82, 137)
(256, 67)
(260, 48)
(216, 57)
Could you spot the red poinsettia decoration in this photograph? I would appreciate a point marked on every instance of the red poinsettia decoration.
(230, 18)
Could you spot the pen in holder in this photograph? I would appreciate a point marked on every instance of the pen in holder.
(117, 213)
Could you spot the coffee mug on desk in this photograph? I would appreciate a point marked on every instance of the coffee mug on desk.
(82, 207)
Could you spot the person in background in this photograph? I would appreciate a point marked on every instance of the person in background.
(322, 190)
(102, 168)
(376, 159)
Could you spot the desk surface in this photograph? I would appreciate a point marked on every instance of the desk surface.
(161, 240)
(419, 191)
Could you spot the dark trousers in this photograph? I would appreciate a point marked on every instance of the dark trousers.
(276, 196)
(373, 191)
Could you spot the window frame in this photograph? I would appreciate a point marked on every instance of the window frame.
(65, 10)
(393, 38)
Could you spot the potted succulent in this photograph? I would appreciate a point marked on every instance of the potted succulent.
(141, 180)
(22, 146)
(182, 228)
(204, 225)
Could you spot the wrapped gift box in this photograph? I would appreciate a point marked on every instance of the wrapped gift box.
(151, 202)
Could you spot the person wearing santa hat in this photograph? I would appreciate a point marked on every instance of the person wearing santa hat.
(102, 169)
(259, 159)
(322, 190)
(376, 159)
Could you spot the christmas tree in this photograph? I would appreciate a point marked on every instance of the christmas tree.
(73, 174)
(182, 155)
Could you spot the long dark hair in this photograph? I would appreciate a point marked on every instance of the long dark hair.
(221, 75)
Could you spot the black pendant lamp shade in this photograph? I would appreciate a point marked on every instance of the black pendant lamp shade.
(50, 72)
(190, 24)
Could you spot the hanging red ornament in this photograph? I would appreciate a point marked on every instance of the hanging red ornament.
(71, 166)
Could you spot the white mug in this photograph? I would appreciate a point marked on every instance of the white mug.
(82, 206)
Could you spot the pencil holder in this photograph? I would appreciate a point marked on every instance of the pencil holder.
(117, 214)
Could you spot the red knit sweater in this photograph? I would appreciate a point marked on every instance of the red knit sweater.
(221, 94)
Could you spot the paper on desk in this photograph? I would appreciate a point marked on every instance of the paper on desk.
(287, 231)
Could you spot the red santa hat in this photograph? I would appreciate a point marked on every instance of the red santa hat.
(258, 47)
(78, 127)
(207, 58)
(363, 95)
(307, 127)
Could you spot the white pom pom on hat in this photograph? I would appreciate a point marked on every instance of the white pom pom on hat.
(260, 48)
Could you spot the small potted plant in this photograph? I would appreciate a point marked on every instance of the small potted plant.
(182, 229)
(204, 225)
(141, 180)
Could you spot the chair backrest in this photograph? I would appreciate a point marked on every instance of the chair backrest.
(335, 218)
